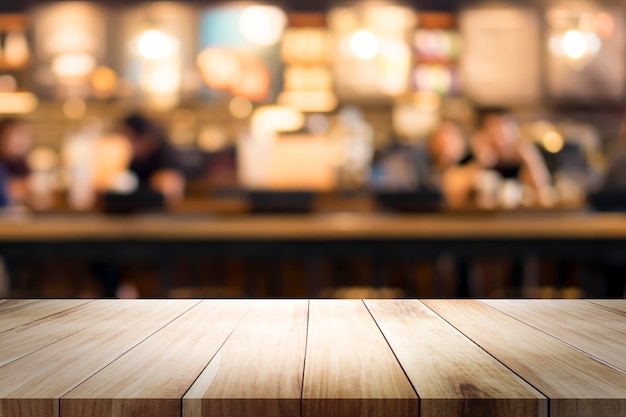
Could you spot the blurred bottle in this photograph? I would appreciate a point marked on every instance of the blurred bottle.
(354, 139)
(80, 160)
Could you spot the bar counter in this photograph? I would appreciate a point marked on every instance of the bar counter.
(328, 226)
(330, 358)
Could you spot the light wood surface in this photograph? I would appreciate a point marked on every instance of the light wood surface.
(350, 369)
(318, 358)
(35, 335)
(135, 384)
(11, 304)
(33, 385)
(590, 327)
(258, 371)
(619, 305)
(576, 383)
(315, 226)
(450, 372)
(16, 317)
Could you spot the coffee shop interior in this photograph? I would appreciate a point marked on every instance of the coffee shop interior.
(304, 149)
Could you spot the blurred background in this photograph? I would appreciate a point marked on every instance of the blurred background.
(261, 116)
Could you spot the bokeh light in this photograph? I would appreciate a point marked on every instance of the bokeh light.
(271, 119)
(262, 25)
(553, 141)
(574, 44)
(73, 65)
(154, 44)
(74, 108)
(240, 107)
(364, 44)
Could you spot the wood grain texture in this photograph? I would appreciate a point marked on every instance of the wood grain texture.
(619, 305)
(30, 337)
(452, 376)
(258, 371)
(31, 312)
(11, 304)
(34, 384)
(593, 329)
(151, 379)
(350, 369)
(576, 384)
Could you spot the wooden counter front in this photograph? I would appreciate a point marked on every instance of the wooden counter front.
(231, 358)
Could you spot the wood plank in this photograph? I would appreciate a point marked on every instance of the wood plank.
(151, 379)
(614, 304)
(576, 384)
(258, 371)
(350, 369)
(31, 312)
(33, 385)
(11, 304)
(452, 376)
(589, 327)
(30, 337)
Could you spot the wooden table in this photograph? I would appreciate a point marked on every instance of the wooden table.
(194, 358)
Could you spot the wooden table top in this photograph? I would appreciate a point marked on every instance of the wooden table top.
(315, 226)
(330, 358)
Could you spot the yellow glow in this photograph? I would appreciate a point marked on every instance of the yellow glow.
(574, 44)
(16, 51)
(73, 65)
(42, 159)
(240, 107)
(364, 44)
(212, 139)
(262, 25)
(104, 81)
(74, 108)
(427, 101)
(17, 103)
(309, 101)
(162, 79)
(270, 119)
(553, 142)
(219, 67)
(155, 45)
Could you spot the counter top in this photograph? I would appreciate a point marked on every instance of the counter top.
(331, 358)
(577, 225)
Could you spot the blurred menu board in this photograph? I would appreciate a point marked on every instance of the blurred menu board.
(70, 44)
(500, 63)
(437, 49)
(307, 79)
(585, 52)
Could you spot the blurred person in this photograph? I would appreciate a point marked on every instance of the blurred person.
(154, 165)
(615, 181)
(454, 171)
(615, 177)
(153, 161)
(500, 149)
(452, 165)
(4, 195)
(499, 146)
(15, 142)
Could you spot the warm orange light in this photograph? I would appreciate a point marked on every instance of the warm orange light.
(219, 67)
(253, 82)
